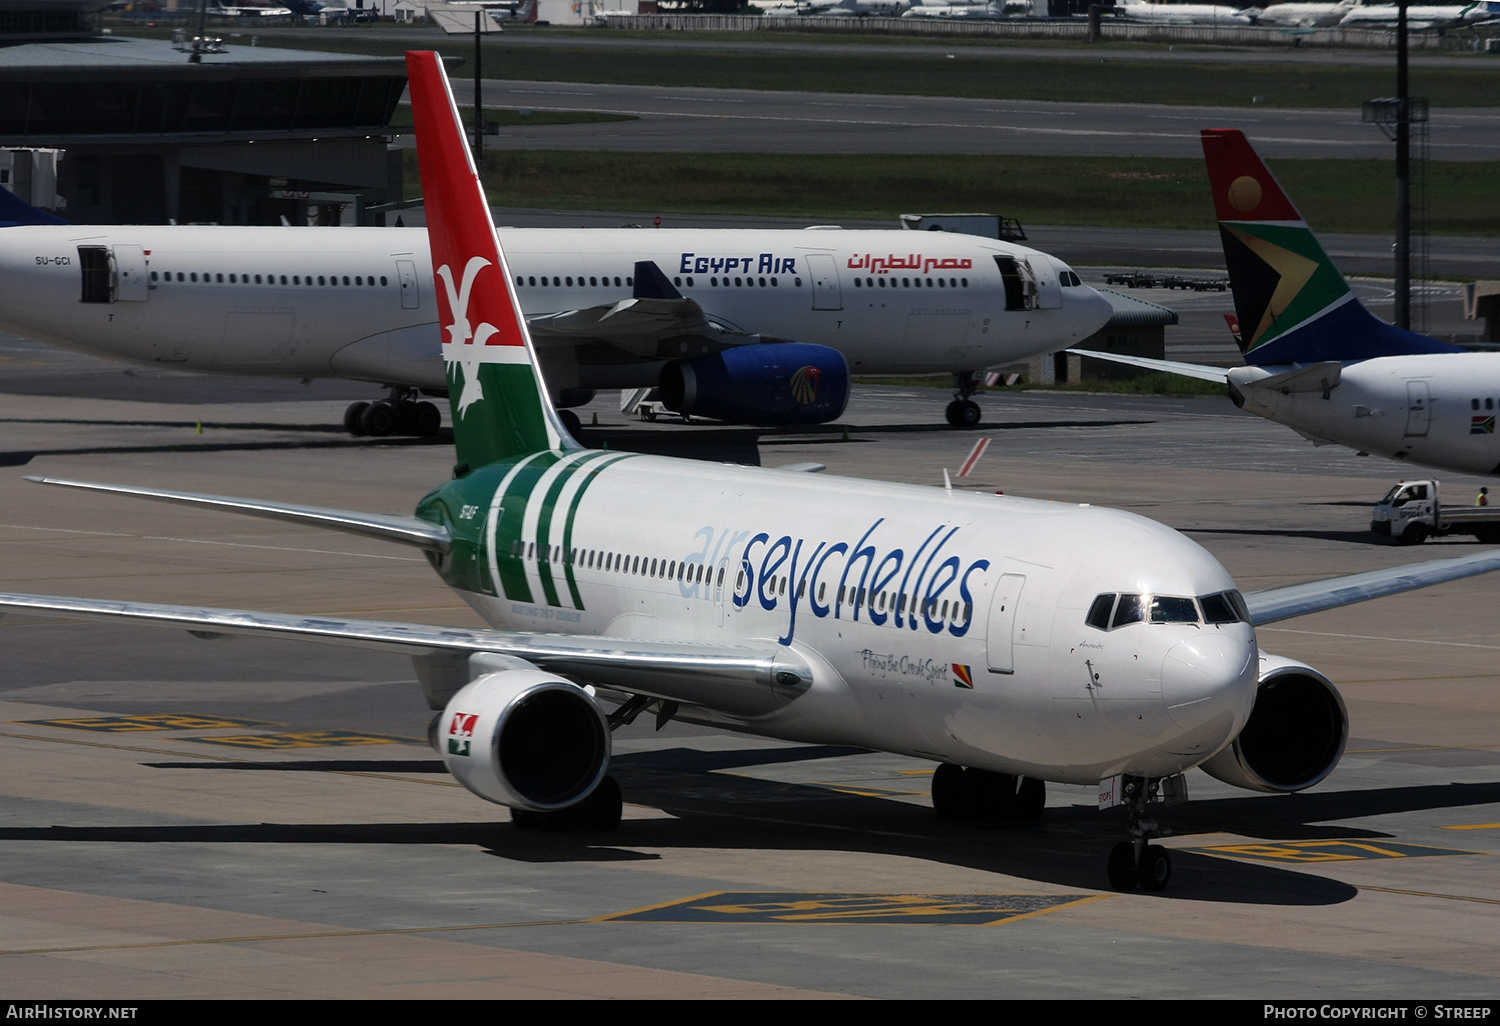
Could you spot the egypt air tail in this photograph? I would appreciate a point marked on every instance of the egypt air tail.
(500, 405)
(1293, 305)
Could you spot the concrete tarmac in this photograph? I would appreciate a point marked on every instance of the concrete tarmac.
(254, 818)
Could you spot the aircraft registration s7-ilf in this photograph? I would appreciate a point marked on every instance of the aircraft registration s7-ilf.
(1011, 641)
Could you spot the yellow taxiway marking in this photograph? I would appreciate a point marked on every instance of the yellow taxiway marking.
(180, 754)
(151, 721)
(1331, 851)
(321, 935)
(801, 908)
(1434, 894)
(1474, 826)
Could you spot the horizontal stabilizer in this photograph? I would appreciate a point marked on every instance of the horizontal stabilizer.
(742, 680)
(1315, 377)
(1187, 370)
(403, 530)
(1275, 604)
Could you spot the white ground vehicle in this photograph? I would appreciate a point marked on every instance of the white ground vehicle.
(1411, 513)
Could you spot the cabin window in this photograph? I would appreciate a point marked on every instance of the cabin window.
(153, 275)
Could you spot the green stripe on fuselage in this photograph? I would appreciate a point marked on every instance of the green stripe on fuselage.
(593, 472)
(512, 519)
(544, 530)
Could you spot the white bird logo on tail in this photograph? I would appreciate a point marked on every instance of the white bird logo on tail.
(461, 334)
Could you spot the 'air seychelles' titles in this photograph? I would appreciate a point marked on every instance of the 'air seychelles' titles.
(842, 581)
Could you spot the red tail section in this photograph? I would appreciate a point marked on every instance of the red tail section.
(458, 220)
(1244, 188)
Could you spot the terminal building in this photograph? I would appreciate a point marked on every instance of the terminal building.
(243, 135)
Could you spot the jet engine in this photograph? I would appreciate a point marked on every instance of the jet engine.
(1296, 733)
(524, 738)
(764, 384)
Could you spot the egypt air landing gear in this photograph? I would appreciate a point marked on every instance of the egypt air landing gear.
(963, 411)
(1137, 862)
(401, 414)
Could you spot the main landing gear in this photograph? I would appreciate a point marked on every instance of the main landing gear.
(599, 811)
(401, 414)
(963, 412)
(1137, 862)
(984, 797)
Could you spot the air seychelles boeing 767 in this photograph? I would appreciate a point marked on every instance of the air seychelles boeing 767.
(1009, 640)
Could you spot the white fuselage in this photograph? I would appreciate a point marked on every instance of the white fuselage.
(358, 302)
(1438, 410)
(996, 669)
(1305, 15)
(1181, 14)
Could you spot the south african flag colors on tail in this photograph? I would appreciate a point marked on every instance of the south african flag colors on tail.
(1292, 304)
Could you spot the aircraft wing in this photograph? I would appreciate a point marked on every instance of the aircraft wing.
(1188, 370)
(636, 325)
(403, 530)
(1273, 604)
(744, 680)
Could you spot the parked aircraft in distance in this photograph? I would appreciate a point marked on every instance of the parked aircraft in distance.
(993, 11)
(838, 8)
(704, 315)
(1037, 640)
(1305, 15)
(1319, 362)
(1423, 16)
(1182, 14)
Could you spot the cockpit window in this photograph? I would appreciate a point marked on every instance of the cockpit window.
(1170, 609)
(1099, 612)
(1132, 609)
(1225, 607)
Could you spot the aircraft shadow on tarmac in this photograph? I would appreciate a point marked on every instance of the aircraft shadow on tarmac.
(714, 804)
(714, 442)
(1360, 537)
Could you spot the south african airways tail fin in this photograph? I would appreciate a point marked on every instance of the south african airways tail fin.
(1293, 305)
(500, 404)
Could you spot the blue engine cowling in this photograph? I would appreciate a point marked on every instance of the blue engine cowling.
(763, 384)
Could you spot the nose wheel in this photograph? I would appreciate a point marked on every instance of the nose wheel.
(1137, 862)
(963, 411)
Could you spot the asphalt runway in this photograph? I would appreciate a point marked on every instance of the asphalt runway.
(675, 119)
(252, 818)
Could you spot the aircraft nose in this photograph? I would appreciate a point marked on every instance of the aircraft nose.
(1092, 304)
(1210, 681)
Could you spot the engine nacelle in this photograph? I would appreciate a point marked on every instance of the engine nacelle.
(763, 384)
(524, 738)
(1296, 733)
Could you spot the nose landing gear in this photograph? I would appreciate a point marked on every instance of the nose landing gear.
(963, 411)
(1137, 862)
(401, 414)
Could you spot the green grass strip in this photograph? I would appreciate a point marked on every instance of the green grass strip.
(1334, 195)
